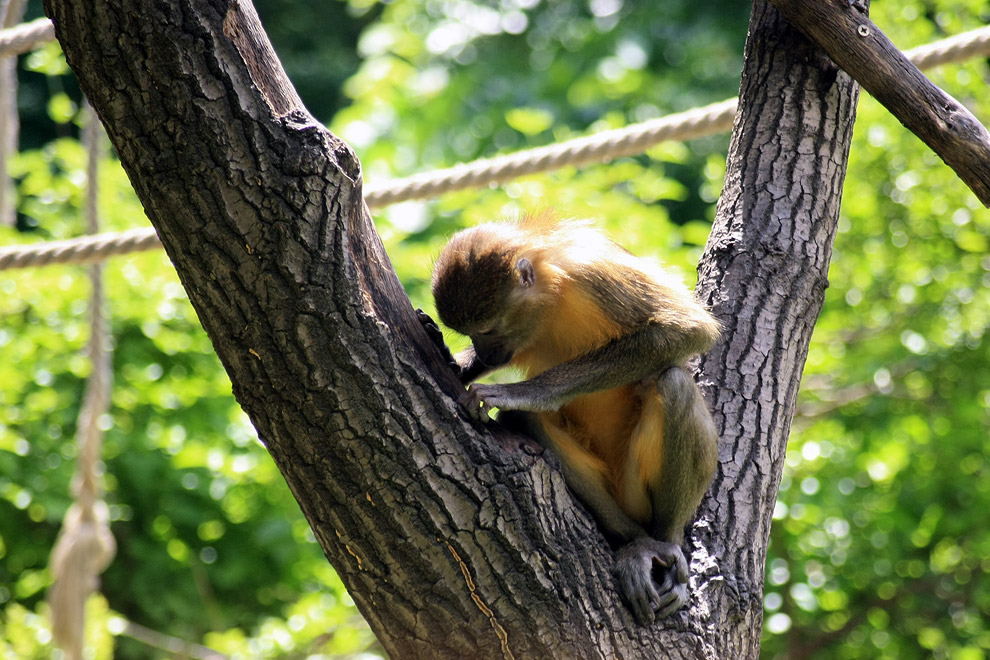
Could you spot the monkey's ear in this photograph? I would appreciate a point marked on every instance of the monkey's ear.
(527, 276)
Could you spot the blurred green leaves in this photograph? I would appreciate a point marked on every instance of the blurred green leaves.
(880, 541)
(529, 121)
(896, 386)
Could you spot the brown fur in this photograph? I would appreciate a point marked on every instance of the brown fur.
(601, 337)
(589, 292)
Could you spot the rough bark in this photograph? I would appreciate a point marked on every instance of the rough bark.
(765, 273)
(454, 540)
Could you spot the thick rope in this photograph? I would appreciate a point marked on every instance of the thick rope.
(597, 148)
(26, 36)
(634, 139)
(84, 250)
(85, 544)
(600, 147)
(951, 49)
(11, 13)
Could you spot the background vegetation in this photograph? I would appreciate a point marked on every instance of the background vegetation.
(881, 542)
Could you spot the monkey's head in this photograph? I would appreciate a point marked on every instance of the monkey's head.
(481, 286)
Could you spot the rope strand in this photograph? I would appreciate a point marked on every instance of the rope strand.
(26, 37)
(83, 250)
(600, 147)
(597, 148)
(11, 13)
(85, 544)
(957, 48)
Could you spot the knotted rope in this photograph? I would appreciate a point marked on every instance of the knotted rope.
(85, 544)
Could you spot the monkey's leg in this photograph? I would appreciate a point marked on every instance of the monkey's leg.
(690, 454)
(584, 473)
(651, 571)
(671, 460)
(640, 554)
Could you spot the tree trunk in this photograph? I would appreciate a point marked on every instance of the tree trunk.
(455, 540)
(765, 271)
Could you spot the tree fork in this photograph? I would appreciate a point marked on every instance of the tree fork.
(448, 536)
(454, 540)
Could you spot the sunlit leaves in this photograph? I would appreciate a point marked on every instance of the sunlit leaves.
(47, 60)
(895, 381)
(529, 121)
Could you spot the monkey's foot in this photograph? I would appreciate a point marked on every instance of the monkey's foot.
(638, 565)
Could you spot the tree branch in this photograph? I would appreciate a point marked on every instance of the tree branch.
(454, 540)
(843, 30)
(764, 274)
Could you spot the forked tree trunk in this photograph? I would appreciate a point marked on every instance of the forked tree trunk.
(454, 540)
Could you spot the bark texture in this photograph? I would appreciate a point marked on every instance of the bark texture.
(844, 31)
(765, 272)
(454, 540)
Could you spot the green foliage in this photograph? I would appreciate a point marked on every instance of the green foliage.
(26, 635)
(443, 82)
(316, 42)
(209, 537)
(879, 545)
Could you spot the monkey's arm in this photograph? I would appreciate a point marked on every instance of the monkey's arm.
(627, 359)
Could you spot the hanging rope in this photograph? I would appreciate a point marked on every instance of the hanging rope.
(26, 36)
(85, 545)
(11, 12)
(600, 147)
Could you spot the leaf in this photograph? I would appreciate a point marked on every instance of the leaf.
(529, 121)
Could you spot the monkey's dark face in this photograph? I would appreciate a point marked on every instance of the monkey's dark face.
(478, 282)
(491, 349)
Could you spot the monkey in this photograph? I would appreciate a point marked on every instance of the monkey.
(602, 337)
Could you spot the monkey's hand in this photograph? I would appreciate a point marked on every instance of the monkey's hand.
(637, 566)
(481, 398)
(436, 336)
(477, 402)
